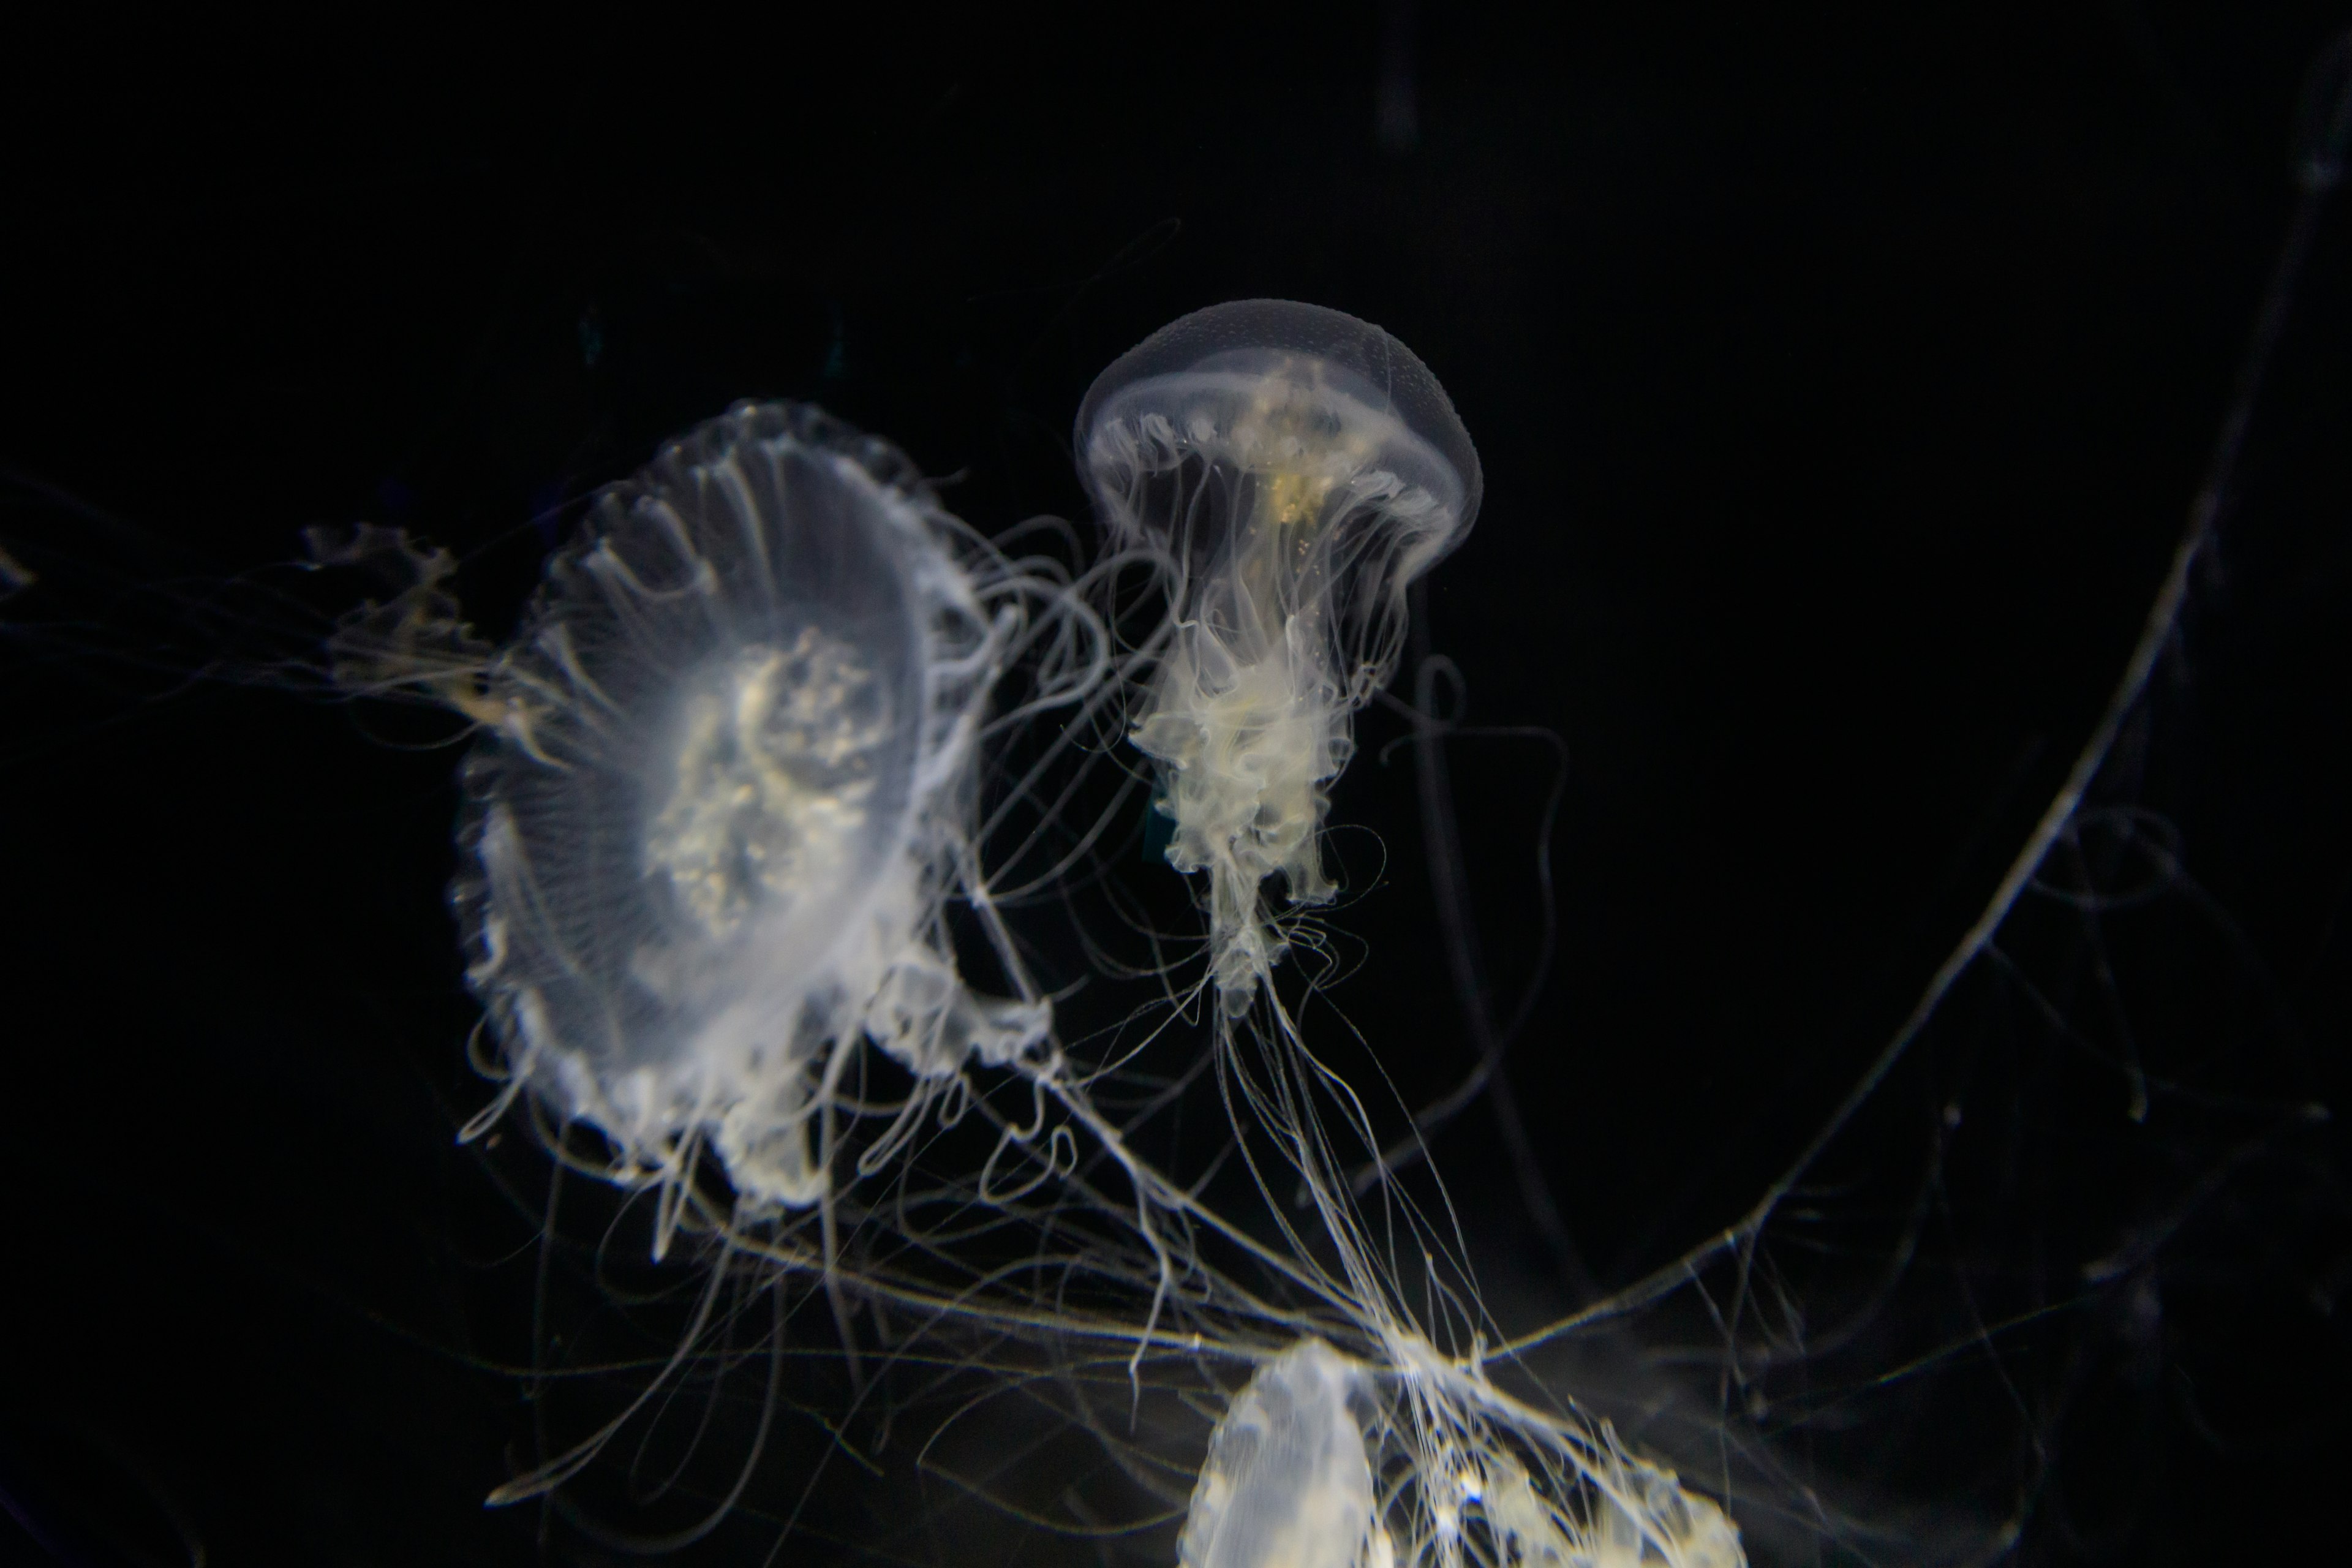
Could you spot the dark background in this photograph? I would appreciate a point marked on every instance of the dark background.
(1842, 385)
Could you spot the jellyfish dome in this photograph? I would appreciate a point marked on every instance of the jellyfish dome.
(726, 789)
(1293, 470)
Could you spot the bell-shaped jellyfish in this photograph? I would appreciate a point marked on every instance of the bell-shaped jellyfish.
(1289, 471)
(1293, 470)
(724, 787)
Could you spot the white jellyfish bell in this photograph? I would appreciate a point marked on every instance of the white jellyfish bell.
(722, 791)
(1287, 1479)
(1291, 469)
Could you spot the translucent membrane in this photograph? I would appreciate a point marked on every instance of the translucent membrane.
(1321, 1462)
(1293, 470)
(723, 788)
(1286, 1480)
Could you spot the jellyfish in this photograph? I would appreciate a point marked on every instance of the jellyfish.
(723, 791)
(1293, 470)
(1916, 1267)
(1286, 1479)
(1289, 1481)
(1290, 471)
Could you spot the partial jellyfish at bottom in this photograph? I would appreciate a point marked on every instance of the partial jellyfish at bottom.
(1289, 1482)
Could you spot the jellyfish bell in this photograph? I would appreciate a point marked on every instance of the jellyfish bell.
(723, 791)
(1292, 470)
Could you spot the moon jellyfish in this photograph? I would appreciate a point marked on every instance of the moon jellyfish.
(722, 794)
(1293, 469)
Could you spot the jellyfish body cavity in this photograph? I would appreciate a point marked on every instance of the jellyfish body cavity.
(728, 787)
(1291, 469)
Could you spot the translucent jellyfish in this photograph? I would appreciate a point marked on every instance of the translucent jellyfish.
(751, 779)
(1293, 470)
(1290, 1479)
(1289, 471)
(1286, 1479)
(723, 789)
